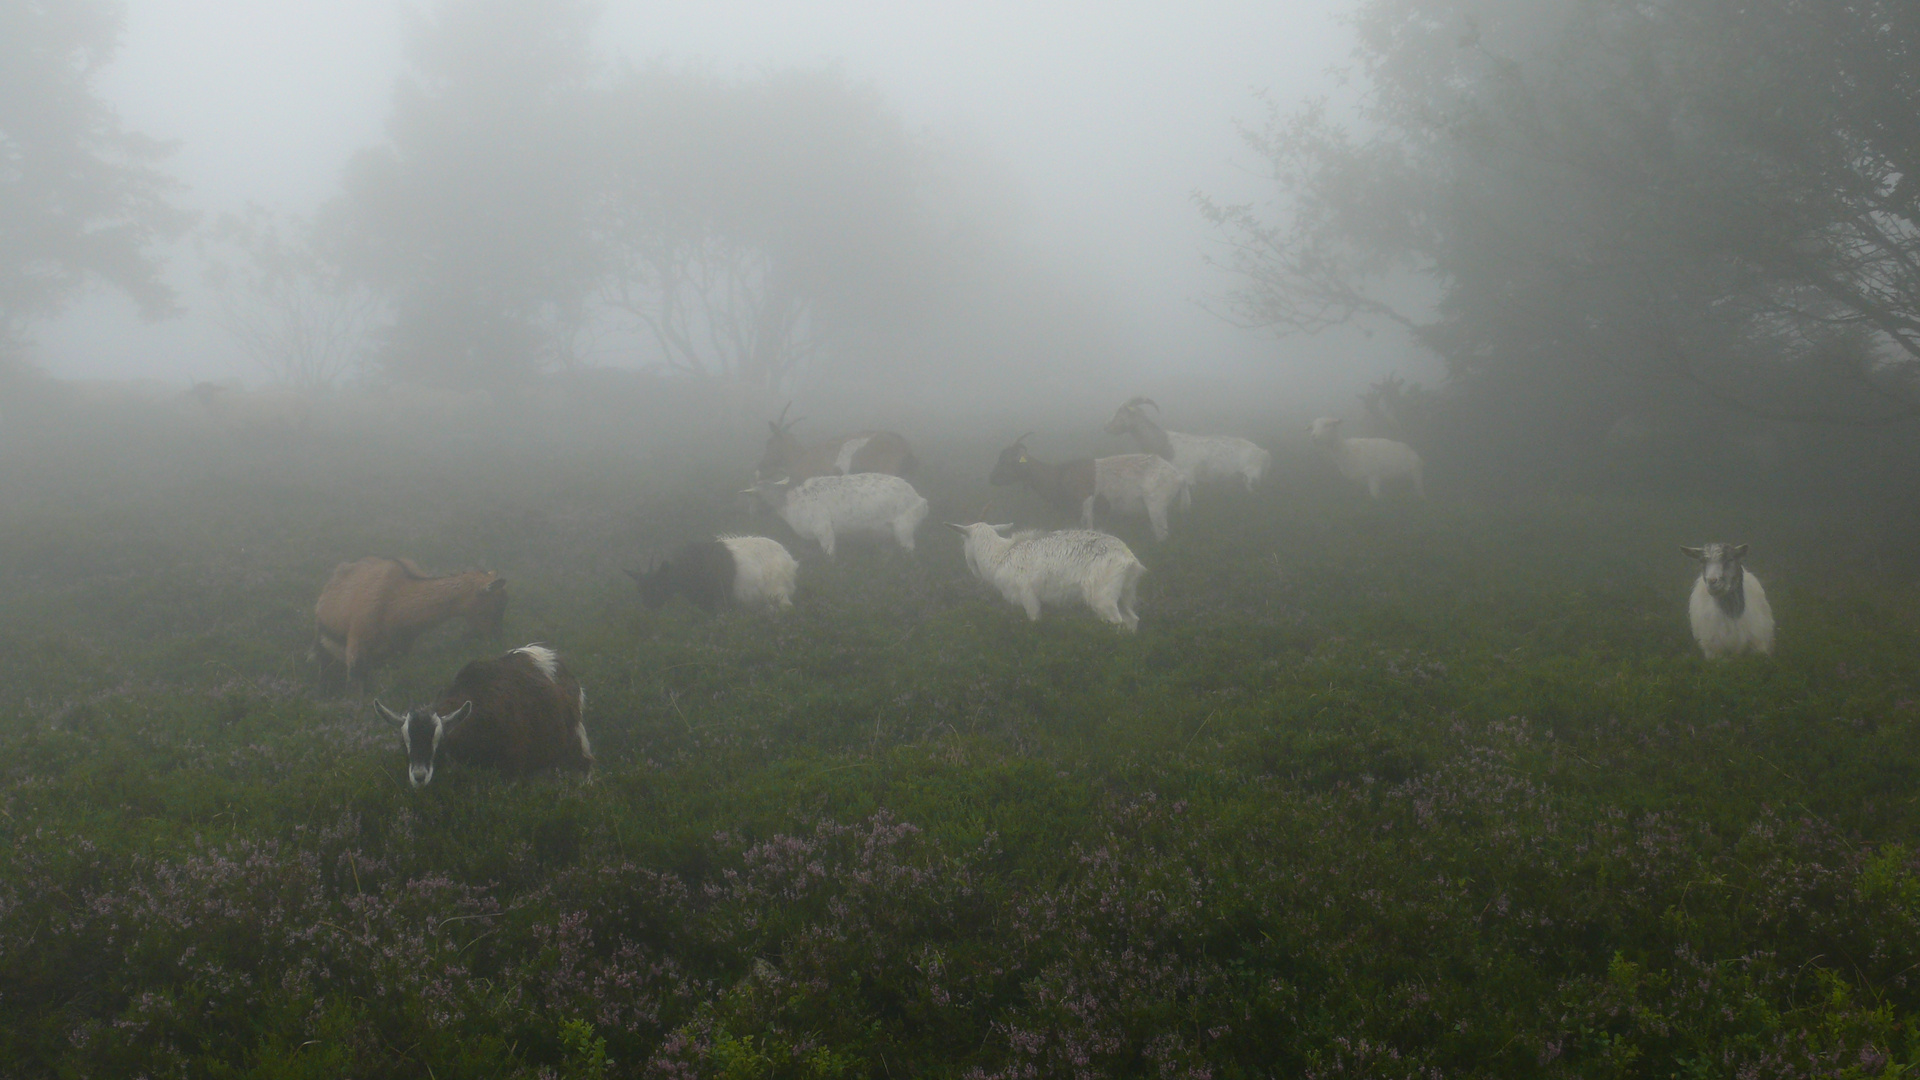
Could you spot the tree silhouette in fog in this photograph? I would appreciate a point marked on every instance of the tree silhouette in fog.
(751, 224)
(471, 218)
(1616, 201)
(525, 200)
(82, 200)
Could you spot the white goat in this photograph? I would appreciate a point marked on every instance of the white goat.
(1370, 460)
(824, 508)
(1035, 568)
(1137, 484)
(1199, 458)
(1729, 609)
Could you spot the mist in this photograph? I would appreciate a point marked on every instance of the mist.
(561, 540)
(1093, 124)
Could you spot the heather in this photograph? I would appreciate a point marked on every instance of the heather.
(1385, 790)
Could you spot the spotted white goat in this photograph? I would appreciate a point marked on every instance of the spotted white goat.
(1370, 461)
(826, 508)
(1035, 568)
(1729, 609)
(1199, 458)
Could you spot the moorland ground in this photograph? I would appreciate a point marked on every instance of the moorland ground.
(1377, 789)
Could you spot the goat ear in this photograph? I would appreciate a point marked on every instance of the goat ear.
(1741, 551)
(1003, 528)
(1693, 553)
(457, 716)
(495, 585)
(956, 528)
(393, 718)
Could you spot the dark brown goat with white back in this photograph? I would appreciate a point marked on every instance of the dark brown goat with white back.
(860, 452)
(373, 608)
(518, 713)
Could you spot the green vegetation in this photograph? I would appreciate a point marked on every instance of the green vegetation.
(1383, 790)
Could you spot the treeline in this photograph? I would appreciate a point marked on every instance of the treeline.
(1702, 213)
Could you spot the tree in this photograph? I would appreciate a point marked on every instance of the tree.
(1613, 200)
(471, 219)
(291, 308)
(82, 200)
(751, 227)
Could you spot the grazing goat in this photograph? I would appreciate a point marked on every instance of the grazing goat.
(860, 452)
(825, 508)
(518, 713)
(254, 414)
(1729, 609)
(753, 570)
(1369, 461)
(373, 609)
(1128, 483)
(1031, 569)
(1199, 458)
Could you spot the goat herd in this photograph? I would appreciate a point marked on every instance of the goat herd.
(522, 712)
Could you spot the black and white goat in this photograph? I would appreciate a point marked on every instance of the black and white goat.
(751, 571)
(1200, 458)
(1728, 607)
(1144, 484)
(519, 713)
(826, 508)
(1073, 565)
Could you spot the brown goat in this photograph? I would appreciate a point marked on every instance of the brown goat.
(374, 608)
(860, 452)
(518, 713)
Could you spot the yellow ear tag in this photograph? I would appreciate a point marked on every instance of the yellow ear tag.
(1023, 459)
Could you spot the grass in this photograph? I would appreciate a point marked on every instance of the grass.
(1383, 790)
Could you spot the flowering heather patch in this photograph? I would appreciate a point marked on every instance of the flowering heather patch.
(1364, 797)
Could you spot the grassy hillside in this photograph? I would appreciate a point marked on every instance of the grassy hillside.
(1377, 790)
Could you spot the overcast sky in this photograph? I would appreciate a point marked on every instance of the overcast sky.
(1107, 115)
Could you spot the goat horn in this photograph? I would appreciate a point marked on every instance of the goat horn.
(783, 412)
(1141, 401)
(1022, 440)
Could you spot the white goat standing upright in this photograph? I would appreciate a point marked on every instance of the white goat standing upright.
(1199, 458)
(1138, 484)
(1370, 461)
(1031, 569)
(1729, 609)
(825, 508)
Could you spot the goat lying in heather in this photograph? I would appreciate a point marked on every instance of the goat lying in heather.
(1128, 483)
(1199, 458)
(1035, 568)
(518, 713)
(374, 608)
(1369, 461)
(1728, 608)
(752, 571)
(826, 508)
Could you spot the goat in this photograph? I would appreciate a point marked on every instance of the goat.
(257, 414)
(1728, 608)
(1199, 458)
(1129, 483)
(1370, 461)
(518, 713)
(753, 570)
(860, 452)
(374, 608)
(824, 508)
(1035, 568)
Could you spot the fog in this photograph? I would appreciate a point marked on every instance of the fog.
(1098, 120)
